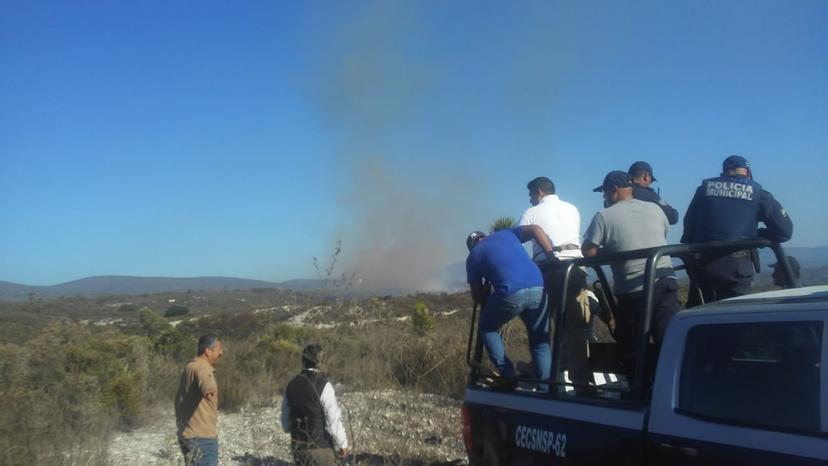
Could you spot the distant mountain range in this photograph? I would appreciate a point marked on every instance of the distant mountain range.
(127, 285)
(453, 276)
(807, 257)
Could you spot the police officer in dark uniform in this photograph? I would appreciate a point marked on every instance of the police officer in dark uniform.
(729, 207)
(642, 177)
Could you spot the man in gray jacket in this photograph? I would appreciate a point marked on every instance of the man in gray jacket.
(628, 224)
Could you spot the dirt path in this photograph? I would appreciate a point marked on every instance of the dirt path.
(386, 428)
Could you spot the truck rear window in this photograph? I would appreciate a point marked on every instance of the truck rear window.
(758, 374)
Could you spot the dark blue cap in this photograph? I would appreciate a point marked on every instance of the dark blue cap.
(615, 179)
(735, 161)
(473, 238)
(641, 166)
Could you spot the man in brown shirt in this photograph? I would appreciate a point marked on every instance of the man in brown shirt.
(196, 405)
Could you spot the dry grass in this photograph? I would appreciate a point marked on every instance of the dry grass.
(64, 391)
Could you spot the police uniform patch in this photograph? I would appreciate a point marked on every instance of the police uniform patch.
(729, 189)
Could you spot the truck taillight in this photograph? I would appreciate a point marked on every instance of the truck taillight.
(467, 434)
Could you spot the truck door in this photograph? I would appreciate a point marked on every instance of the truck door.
(741, 392)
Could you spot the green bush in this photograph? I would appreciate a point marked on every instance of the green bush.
(175, 344)
(421, 320)
(176, 310)
(151, 322)
(70, 385)
(124, 393)
(270, 360)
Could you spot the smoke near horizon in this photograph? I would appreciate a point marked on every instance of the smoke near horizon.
(409, 198)
(398, 209)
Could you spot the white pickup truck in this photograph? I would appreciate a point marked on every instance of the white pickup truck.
(736, 382)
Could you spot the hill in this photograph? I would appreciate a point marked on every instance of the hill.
(128, 285)
(813, 260)
(811, 257)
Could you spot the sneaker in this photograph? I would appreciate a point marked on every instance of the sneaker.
(533, 388)
(504, 384)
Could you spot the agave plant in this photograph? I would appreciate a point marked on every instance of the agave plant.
(502, 223)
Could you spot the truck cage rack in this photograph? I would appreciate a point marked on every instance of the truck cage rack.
(688, 254)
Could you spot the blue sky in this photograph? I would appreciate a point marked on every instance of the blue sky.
(212, 138)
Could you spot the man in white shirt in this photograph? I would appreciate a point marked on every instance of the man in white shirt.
(311, 415)
(561, 222)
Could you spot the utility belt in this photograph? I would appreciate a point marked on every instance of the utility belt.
(745, 253)
(707, 258)
(561, 248)
(750, 254)
(566, 247)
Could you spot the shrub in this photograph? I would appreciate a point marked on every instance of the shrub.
(70, 386)
(175, 344)
(421, 320)
(176, 310)
(502, 223)
(151, 322)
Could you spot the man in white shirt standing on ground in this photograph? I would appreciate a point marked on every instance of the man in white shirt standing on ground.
(561, 222)
(311, 415)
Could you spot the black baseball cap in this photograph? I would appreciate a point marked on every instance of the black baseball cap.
(641, 166)
(473, 237)
(735, 161)
(615, 178)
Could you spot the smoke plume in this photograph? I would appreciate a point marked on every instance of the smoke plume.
(409, 207)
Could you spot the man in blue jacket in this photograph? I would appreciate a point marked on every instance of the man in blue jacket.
(517, 286)
(729, 207)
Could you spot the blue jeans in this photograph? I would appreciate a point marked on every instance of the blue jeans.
(199, 451)
(530, 305)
